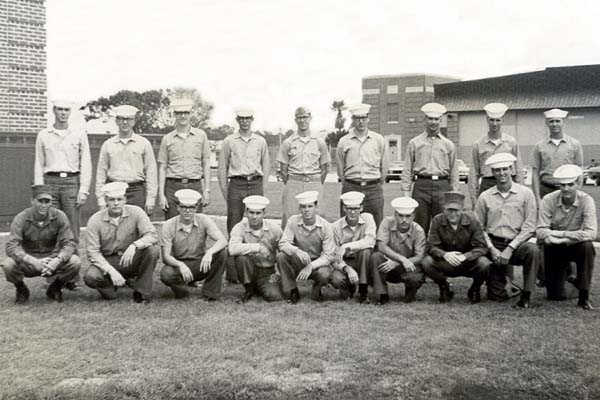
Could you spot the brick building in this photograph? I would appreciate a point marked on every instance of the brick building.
(22, 66)
(574, 88)
(396, 102)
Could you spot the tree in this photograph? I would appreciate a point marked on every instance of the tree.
(155, 114)
(340, 121)
(220, 132)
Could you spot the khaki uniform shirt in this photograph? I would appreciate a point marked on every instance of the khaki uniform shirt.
(430, 156)
(483, 149)
(192, 245)
(130, 160)
(360, 238)
(362, 160)
(63, 151)
(243, 240)
(105, 238)
(513, 217)
(53, 236)
(318, 241)
(410, 244)
(244, 157)
(184, 157)
(303, 155)
(546, 156)
(581, 216)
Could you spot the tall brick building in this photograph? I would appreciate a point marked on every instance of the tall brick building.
(396, 102)
(23, 101)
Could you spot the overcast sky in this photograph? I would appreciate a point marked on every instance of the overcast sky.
(273, 55)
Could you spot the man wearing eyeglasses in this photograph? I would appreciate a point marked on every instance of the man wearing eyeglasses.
(362, 158)
(40, 243)
(183, 160)
(129, 158)
(400, 251)
(185, 254)
(354, 236)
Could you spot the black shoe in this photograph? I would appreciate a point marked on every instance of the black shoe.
(246, 297)
(445, 293)
(474, 294)
(410, 295)
(383, 299)
(294, 296)
(316, 294)
(572, 279)
(54, 293)
(363, 299)
(209, 299)
(72, 286)
(540, 283)
(139, 298)
(22, 294)
(586, 305)
(522, 304)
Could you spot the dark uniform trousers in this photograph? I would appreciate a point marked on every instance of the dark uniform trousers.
(411, 280)
(557, 259)
(239, 189)
(141, 268)
(439, 270)
(15, 272)
(541, 275)
(290, 267)
(213, 279)
(430, 196)
(357, 261)
(373, 201)
(527, 255)
(259, 277)
(173, 185)
(135, 194)
(64, 197)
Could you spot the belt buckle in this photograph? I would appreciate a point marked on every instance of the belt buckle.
(363, 183)
(249, 178)
(305, 179)
(184, 180)
(434, 177)
(63, 174)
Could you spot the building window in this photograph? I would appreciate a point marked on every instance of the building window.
(392, 109)
(392, 89)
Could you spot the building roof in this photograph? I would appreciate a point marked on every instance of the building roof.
(563, 87)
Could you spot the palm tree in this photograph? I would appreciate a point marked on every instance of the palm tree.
(340, 121)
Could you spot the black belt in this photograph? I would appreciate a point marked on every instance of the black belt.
(130, 184)
(431, 177)
(364, 183)
(247, 178)
(62, 174)
(184, 180)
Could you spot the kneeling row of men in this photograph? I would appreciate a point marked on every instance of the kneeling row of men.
(348, 254)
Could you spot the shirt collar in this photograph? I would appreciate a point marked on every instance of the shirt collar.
(495, 190)
(438, 135)
(353, 133)
(52, 214)
(194, 222)
(318, 221)
(464, 220)
(345, 223)
(118, 139)
(238, 135)
(575, 203)
(562, 139)
(106, 217)
(409, 232)
(246, 225)
(502, 138)
(296, 136)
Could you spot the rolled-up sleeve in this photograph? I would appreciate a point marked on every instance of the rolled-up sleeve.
(92, 245)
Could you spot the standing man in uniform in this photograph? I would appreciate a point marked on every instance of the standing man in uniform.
(40, 243)
(254, 242)
(121, 245)
(307, 249)
(183, 243)
(401, 247)
(63, 161)
(128, 157)
(362, 162)
(548, 154)
(494, 142)
(431, 163)
(354, 236)
(456, 247)
(304, 161)
(508, 216)
(183, 160)
(567, 226)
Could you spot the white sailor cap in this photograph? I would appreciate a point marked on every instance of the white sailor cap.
(433, 110)
(115, 189)
(495, 110)
(126, 111)
(182, 104)
(307, 197)
(302, 111)
(500, 160)
(255, 202)
(244, 113)
(404, 205)
(187, 197)
(556, 113)
(352, 199)
(61, 103)
(567, 173)
(359, 110)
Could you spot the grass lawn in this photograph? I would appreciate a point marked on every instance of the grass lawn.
(93, 349)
